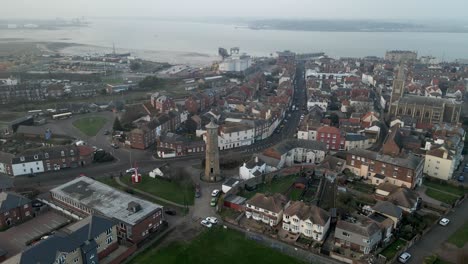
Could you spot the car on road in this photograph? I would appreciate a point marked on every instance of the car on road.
(444, 222)
(215, 193)
(213, 201)
(115, 146)
(197, 191)
(461, 178)
(404, 257)
(106, 132)
(170, 212)
(213, 220)
(206, 223)
(131, 170)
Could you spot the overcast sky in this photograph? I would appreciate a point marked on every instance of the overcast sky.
(345, 9)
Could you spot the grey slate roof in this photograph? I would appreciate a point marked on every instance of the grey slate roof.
(305, 211)
(365, 227)
(5, 182)
(410, 161)
(46, 251)
(10, 200)
(355, 137)
(387, 208)
(427, 101)
(287, 145)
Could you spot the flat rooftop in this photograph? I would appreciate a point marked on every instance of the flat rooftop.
(106, 200)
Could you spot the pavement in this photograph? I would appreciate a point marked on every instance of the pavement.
(14, 239)
(439, 234)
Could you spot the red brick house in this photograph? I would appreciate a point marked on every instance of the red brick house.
(14, 209)
(332, 137)
(163, 103)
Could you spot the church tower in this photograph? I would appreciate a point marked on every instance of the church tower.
(397, 89)
(212, 172)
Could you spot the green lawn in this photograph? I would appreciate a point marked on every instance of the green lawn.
(443, 197)
(279, 185)
(171, 191)
(295, 194)
(390, 251)
(460, 237)
(90, 125)
(362, 187)
(216, 245)
(446, 188)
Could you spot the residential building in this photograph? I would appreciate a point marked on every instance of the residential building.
(332, 137)
(136, 218)
(88, 241)
(253, 168)
(360, 234)
(14, 209)
(405, 198)
(172, 145)
(292, 151)
(308, 220)
(441, 163)
(163, 103)
(45, 159)
(389, 210)
(268, 209)
(404, 170)
(354, 141)
(233, 135)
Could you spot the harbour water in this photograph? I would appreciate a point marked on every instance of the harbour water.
(172, 40)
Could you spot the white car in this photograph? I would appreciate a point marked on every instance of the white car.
(206, 223)
(215, 193)
(212, 220)
(403, 258)
(444, 222)
(131, 170)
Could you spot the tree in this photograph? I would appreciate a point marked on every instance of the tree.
(150, 82)
(134, 66)
(335, 119)
(117, 125)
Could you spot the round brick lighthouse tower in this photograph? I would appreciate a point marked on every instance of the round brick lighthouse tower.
(212, 172)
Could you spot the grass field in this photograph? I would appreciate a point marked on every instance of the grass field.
(171, 191)
(279, 185)
(90, 125)
(215, 246)
(446, 188)
(443, 197)
(390, 251)
(460, 237)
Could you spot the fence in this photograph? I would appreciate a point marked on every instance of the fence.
(284, 248)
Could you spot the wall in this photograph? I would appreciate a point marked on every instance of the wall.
(28, 167)
(438, 167)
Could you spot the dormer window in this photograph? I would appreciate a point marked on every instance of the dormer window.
(62, 153)
(22, 158)
(46, 155)
(36, 157)
(72, 152)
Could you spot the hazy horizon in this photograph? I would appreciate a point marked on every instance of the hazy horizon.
(415, 10)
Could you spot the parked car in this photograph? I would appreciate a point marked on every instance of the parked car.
(461, 178)
(170, 212)
(106, 132)
(465, 169)
(115, 146)
(37, 203)
(215, 193)
(444, 222)
(213, 220)
(206, 223)
(404, 257)
(214, 201)
(131, 170)
(197, 191)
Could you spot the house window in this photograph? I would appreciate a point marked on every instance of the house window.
(62, 153)
(109, 231)
(22, 158)
(46, 155)
(26, 206)
(352, 162)
(75, 260)
(109, 240)
(395, 174)
(383, 165)
(346, 234)
(353, 157)
(36, 157)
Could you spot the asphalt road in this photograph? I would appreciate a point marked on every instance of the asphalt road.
(428, 245)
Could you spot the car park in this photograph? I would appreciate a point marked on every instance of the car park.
(404, 257)
(215, 193)
(444, 221)
(213, 220)
(206, 223)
